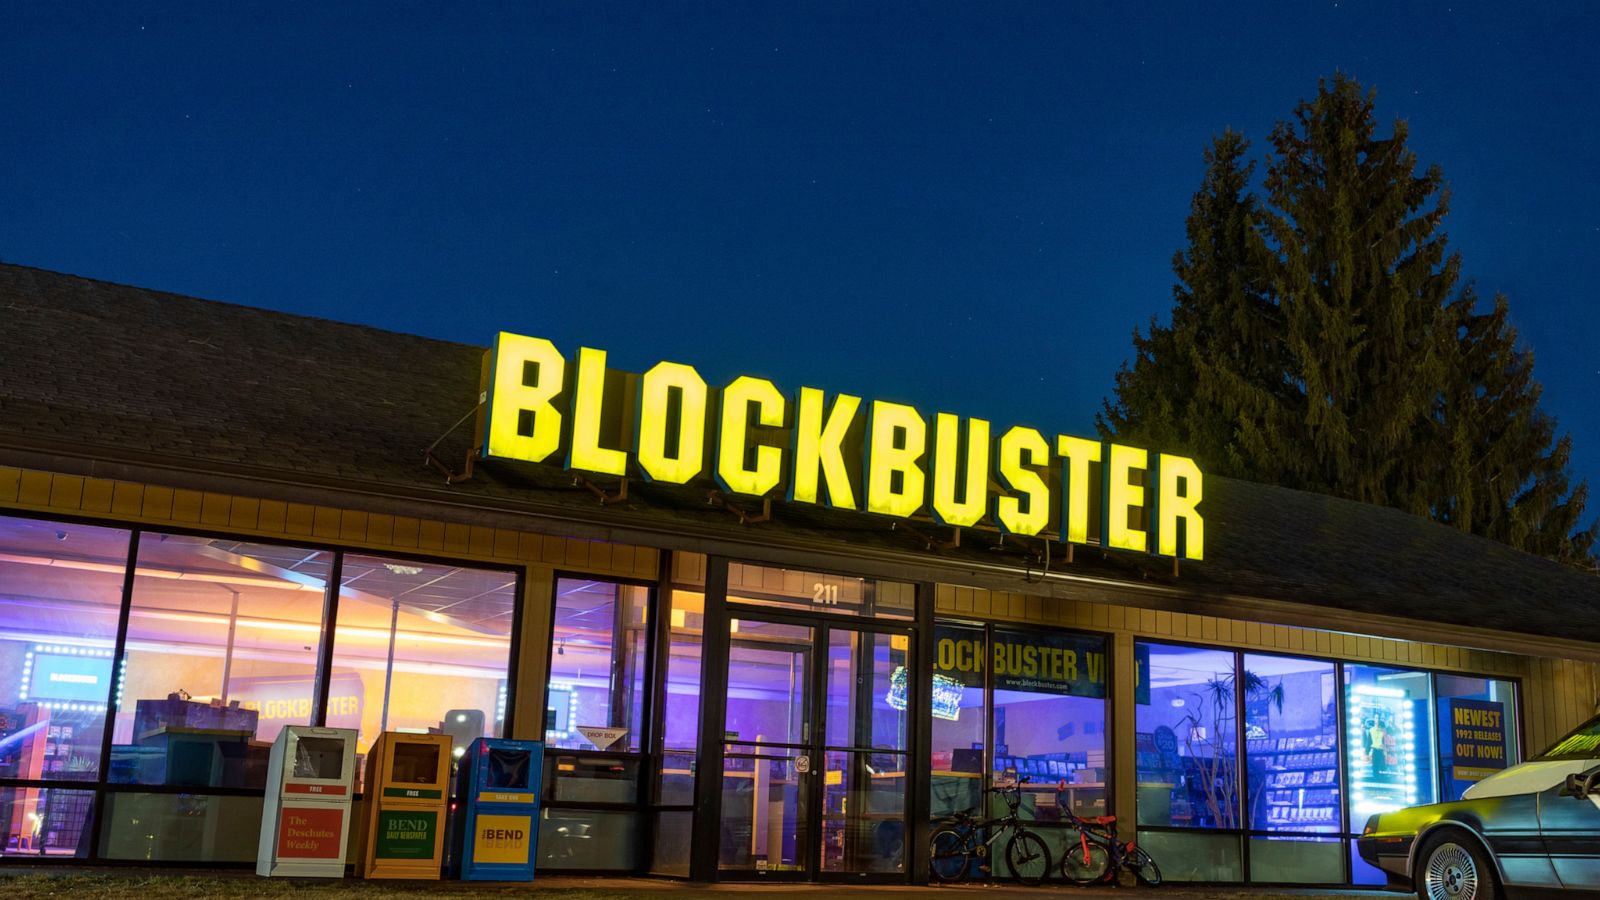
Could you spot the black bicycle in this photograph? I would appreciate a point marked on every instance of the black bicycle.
(1098, 854)
(957, 847)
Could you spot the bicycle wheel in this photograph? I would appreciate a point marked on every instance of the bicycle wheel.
(1028, 858)
(1085, 861)
(948, 855)
(1142, 866)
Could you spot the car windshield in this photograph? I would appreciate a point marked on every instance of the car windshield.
(1582, 743)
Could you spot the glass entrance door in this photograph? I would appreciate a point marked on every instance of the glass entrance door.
(766, 752)
(864, 752)
(814, 749)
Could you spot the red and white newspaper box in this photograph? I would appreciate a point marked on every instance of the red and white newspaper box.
(305, 821)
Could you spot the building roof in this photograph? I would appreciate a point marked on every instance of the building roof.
(158, 382)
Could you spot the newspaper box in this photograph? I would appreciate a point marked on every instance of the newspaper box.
(305, 819)
(497, 824)
(407, 777)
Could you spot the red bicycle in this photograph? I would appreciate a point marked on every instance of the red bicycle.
(1099, 854)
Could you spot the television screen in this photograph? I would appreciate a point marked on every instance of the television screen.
(60, 676)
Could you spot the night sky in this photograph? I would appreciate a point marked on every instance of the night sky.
(964, 206)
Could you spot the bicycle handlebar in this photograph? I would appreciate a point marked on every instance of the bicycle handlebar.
(1010, 787)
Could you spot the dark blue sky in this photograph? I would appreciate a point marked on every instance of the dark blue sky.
(967, 206)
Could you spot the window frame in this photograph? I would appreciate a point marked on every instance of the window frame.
(1348, 835)
(647, 757)
(103, 788)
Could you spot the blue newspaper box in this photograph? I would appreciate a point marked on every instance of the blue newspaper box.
(497, 825)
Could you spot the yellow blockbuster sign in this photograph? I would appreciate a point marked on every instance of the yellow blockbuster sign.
(842, 451)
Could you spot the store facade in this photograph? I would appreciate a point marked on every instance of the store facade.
(730, 686)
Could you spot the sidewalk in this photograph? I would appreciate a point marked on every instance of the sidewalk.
(96, 884)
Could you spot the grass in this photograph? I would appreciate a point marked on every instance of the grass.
(102, 885)
(96, 886)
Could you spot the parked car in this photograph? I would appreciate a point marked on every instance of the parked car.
(1533, 825)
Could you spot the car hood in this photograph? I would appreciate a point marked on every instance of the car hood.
(1528, 778)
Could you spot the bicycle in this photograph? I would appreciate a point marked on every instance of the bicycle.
(1100, 854)
(955, 847)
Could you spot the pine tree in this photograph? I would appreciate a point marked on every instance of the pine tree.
(1320, 340)
(1191, 383)
(1505, 475)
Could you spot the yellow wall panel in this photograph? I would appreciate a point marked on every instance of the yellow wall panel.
(298, 519)
(273, 517)
(480, 540)
(352, 526)
(1097, 615)
(430, 535)
(578, 554)
(325, 523)
(380, 530)
(1117, 618)
(127, 499)
(505, 543)
(97, 494)
(600, 557)
(554, 551)
(186, 505)
(625, 560)
(157, 502)
(457, 538)
(66, 492)
(214, 509)
(528, 546)
(407, 532)
(10, 483)
(34, 489)
(646, 561)
(244, 512)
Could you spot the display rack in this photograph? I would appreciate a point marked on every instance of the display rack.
(1301, 787)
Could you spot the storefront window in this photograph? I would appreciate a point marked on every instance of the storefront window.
(597, 665)
(1292, 744)
(60, 596)
(420, 646)
(221, 654)
(1291, 726)
(1388, 739)
(589, 840)
(193, 828)
(46, 822)
(1184, 737)
(1050, 718)
(1477, 730)
(680, 721)
(960, 716)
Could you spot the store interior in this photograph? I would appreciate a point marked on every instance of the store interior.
(222, 648)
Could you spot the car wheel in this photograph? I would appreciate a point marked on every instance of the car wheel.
(1453, 867)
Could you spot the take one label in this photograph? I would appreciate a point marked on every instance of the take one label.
(405, 834)
(306, 832)
(504, 797)
(503, 839)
